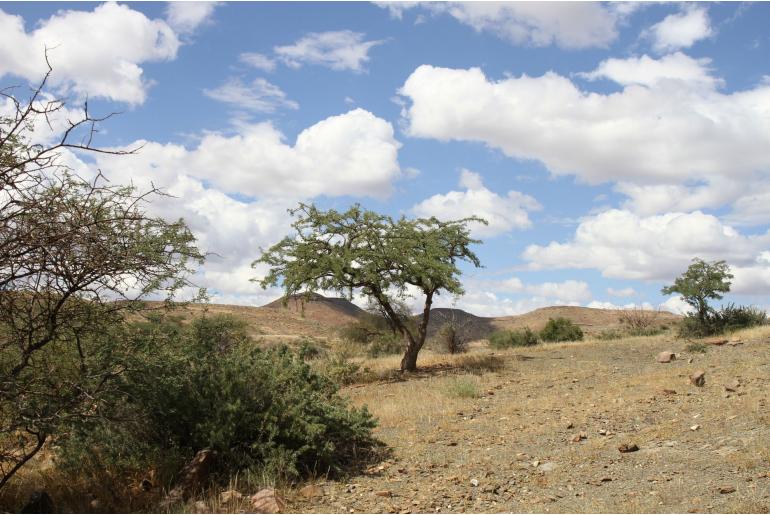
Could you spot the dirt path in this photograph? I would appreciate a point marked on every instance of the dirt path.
(511, 449)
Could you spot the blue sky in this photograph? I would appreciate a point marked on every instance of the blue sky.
(607, 144)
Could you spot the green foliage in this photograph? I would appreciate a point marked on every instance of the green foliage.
(338, 368)
(385, 345)
(561, 330)
(362, 250)
(702, 281)
(465, 388)
(610, 334)
(516, 338)
(206, 385)
(729, 318)
(701, 348)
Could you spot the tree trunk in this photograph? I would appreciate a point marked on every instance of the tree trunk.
(409, 361)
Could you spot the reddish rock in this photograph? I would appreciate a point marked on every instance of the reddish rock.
(698, 378)
(726, 489)
(266, 501)
(628, 447)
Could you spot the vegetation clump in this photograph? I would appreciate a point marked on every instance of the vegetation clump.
(513, 338)
(561, 329)
(206, 385)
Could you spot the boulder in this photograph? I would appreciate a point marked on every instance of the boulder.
(229, 496)
(666, 357)
(266, 501)
(628, 447)
(698, 378)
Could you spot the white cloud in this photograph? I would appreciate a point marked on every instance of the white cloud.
(565, 292)
(338, 50)
(502, 213)
(185, 17)
(653, 134)
(96, 53)
(261, 95)
(598, 304)
(680, 30)
(258, 61)
(648, 71)
(621, 292)
(326, 159)
(397, 9)
(677, 306)
(565, 24)
(623, 245)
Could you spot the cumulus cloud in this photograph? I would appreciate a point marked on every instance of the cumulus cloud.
(185, 17)
(97, 53)
(680, 30)
(326, 159)
(671, 127)
(258, 61)
(598, 304)
(569, 25)
(503, 213)
(260, 96)
(623, 245)
(648, 71)
(338, 50)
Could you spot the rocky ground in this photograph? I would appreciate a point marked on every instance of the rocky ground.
(542, 434)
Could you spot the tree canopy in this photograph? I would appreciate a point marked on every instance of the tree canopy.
(702, 281)
(383, 258)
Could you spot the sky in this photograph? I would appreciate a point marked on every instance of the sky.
(607, 144)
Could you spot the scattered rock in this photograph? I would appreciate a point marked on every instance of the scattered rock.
(384, 493)
(669, 391)
(311, 491)
(266, 501)
(698, 378)
(716, 341)
(578, 437)
(695, 427)
(603, 432)
(474, 482)
(548, 466)
(726, 489)
(229, 496)
(628, 447)
(39, 502)
(194, 476)
(733, 386)
(666, 357)
(570, 425)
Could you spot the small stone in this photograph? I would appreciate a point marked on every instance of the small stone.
(536, 463)
(570, 425)
(726, 489)
(384, 493)
(578, 437)
(733, 386)
(628, 447)
(229, 496)
(548, 466)
(474, 482)
(452, 444)
(603, 432)
(698, 378)
(311, 491)
(695, 427)
(266, 501)
(669, 391)
(666, 357)
(605, 479)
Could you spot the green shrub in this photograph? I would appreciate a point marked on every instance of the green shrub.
(561, 330)
(206, 385)
(309, 350)
(697, 347)
(359, 332)
(340, 369)
(646, 331)
(729, 318)
(463, 388)
(385, 345)
(516, 338)
(610, 334)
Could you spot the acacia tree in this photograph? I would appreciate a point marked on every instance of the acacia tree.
(702, 281)
(75, 257)
(374, 254)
